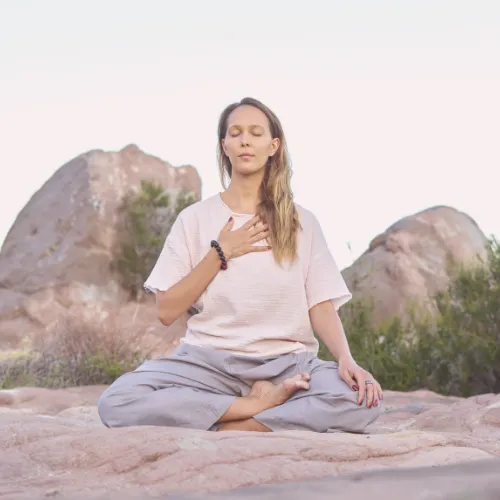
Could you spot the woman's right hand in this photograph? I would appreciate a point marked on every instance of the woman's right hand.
(241, 241)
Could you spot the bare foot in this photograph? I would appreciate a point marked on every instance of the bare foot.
(270, 395)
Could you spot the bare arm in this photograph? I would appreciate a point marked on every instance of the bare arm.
(328, 326)
(175, 301)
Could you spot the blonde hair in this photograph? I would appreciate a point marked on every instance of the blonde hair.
(276, 206)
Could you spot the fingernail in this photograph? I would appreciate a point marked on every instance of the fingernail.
(230, 219)
(355, 388)
(376, 403)
(269, 247)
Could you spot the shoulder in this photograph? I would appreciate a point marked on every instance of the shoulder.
(307, 218)
(197, 210)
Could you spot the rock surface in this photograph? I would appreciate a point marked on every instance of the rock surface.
(56, 257)
(56, 446)
(479, 480)
(410, 261)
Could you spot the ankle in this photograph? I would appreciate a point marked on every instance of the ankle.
(257, 402)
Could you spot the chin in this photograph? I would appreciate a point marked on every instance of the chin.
(247, 169)
(247, 172)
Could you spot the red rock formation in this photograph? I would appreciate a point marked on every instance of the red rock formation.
(56, 257)
(410, 261)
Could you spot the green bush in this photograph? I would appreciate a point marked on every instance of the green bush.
(79, 351)
(146, 220)
(457, 352)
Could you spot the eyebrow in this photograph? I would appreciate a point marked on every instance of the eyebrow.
(251, 126)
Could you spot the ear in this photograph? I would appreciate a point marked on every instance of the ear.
(275, 144)
(224, 147)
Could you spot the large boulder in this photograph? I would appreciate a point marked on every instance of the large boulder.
(57, 256)
(413, 259)
(55, 446)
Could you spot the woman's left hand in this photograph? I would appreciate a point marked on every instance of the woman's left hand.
(357, 378)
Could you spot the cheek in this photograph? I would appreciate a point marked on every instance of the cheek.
(229, 147)
(263, 148)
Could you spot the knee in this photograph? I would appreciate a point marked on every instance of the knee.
(362, 417)
(111, 411)
(105, 409)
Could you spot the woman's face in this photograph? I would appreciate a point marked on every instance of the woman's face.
(248, 142)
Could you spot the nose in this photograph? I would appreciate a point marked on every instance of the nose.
(245, 139)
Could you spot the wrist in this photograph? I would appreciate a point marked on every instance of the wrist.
(225, 250)
(255, 405)
(220, 254)
(345, 356)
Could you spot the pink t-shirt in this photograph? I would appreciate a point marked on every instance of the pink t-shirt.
(255, 307)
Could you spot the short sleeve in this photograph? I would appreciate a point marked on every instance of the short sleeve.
(174, 262)
(324, 280)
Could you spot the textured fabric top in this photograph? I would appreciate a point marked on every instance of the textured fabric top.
(255, 307)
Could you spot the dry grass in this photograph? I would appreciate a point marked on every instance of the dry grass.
(78, 351)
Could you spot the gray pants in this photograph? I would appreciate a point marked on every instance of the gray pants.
(195, 386)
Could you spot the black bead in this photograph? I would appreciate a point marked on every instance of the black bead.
(215, 244)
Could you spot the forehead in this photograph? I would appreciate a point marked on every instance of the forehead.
(247, 116)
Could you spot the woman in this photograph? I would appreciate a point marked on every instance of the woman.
(257, 268)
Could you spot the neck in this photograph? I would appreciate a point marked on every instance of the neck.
(243, 194)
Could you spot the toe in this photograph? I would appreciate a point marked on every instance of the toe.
(294, 383)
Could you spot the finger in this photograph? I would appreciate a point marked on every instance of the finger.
(306, 376)
(376, 394)
(228, 225)
(362, 389)
(260, 236)
(259, 229)
(251, 222)
(346, 377)
(369, 395)
(259, 248)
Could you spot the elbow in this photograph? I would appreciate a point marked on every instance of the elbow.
(165, 320)
(166, 317)
(164, 309)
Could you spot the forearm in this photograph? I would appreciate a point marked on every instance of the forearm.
(327, 325)
(175, 301)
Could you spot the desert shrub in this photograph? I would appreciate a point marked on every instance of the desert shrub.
(463, 347)
(457, 352)
(387, 351)
(146, 219)
(79, 351)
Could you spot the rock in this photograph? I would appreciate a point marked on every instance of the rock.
(17, 333)
(50, 401)
(55, 442)
(479, 480)
(408, 263)
(11, 304)
(57, 256)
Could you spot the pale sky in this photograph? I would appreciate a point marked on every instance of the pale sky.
(389, 107)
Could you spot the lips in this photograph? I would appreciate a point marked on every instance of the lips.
(246, 156)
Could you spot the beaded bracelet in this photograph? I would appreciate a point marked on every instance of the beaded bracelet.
(217, 247)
